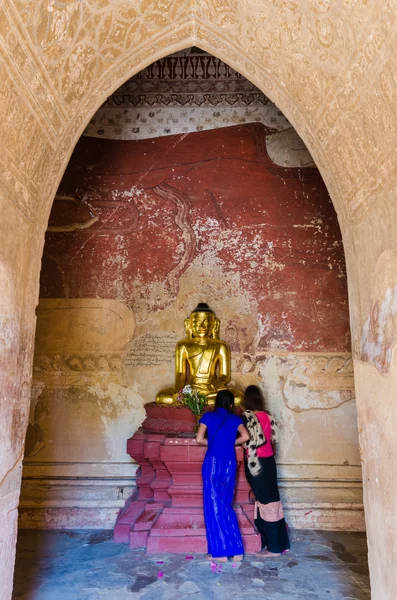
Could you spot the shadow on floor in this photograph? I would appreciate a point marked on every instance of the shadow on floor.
(87, 565)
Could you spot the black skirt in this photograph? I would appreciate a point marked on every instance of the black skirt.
(269, 515)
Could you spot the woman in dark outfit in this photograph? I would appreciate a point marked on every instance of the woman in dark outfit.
(219, 477)
(261, 473)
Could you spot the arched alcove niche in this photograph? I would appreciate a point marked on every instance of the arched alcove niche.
(148, 221)
(335, 67)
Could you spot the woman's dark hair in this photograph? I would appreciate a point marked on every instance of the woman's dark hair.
(224, 399)
(253, 398)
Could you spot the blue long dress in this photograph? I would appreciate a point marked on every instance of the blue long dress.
(219, 479)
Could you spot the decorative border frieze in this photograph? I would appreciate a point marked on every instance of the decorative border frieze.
(73, 370)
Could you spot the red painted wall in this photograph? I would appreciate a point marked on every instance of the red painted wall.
(143, 210)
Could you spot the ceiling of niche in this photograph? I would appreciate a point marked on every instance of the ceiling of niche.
(192, 91)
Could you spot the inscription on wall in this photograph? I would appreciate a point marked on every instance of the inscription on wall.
(151, 350)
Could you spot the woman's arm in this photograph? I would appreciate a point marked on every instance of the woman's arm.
(243, 437)
(200, 439)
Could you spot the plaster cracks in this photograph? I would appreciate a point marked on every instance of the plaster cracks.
(300, 397)
(299, 394)
(121, 412)
(11, 476)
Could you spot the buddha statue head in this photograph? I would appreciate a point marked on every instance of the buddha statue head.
(202, 323)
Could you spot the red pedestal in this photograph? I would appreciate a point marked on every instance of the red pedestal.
(166, 512)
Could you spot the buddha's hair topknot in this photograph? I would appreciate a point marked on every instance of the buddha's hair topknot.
(203, 307)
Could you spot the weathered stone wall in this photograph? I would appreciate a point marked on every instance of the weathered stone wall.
(330, 67)
(148, 229)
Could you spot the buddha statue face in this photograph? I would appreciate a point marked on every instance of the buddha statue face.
(202, 324)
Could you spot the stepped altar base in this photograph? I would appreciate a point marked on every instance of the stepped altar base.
(166, 512)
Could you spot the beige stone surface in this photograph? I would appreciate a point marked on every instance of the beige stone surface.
(330, 67)
(81, 415)
(377, 424)
(82, 325)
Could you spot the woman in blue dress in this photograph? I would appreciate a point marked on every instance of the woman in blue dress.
(225, 431)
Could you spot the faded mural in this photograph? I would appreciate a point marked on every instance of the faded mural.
(142, 229)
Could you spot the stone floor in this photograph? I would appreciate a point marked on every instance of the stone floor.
(87, 565)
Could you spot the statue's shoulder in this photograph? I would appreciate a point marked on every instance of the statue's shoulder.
(222, 344)
(185, 342)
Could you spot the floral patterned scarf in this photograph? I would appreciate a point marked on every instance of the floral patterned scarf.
(257, 438)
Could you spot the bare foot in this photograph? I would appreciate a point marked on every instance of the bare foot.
(208, 557)
(220, 559)
(267, 554)
(237, 557)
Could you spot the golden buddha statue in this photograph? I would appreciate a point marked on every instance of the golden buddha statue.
(202, 360)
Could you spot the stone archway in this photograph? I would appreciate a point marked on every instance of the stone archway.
(330, 69)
